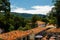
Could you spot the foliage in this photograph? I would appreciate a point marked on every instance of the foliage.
(20, 28)
(5, 7)
(33, 20)
(10, 22)
(11, 28)
(27, 27)
(57, 12)
(51, 18)
(54, 14)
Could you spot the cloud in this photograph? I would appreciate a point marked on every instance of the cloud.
(35, 9)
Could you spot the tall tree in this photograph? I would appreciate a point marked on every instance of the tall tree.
(5, 7)
(57, 8)
(51, 17)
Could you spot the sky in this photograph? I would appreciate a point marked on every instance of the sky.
(31, 6)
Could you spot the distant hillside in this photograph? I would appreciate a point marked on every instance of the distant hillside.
(26, 15)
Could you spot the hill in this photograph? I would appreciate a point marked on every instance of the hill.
(26, 15)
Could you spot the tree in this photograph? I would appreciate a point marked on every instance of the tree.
(27, 27)
(57, 12)
(51, 17)
(34, 19)
(5, 7)
(20, 28)
(11, 27)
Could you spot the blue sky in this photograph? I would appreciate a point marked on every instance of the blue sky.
(31, 6)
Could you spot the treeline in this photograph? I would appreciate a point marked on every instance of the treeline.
(9, 22)
(18, 22)
(14, 22)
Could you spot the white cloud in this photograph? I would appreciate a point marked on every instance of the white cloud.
(34, 10)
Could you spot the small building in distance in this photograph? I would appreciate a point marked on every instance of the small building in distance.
(40, 23)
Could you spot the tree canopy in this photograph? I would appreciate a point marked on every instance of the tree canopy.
(57, 12)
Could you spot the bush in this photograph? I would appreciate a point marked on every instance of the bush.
(11, 28)
(27, 27)
(20, 28)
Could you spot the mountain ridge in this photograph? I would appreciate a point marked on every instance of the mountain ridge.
(27, 15)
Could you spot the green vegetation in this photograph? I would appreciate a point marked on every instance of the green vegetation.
(54, 14)
(51, 18)
(18, 22)
(57, 12)
(10, 21)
